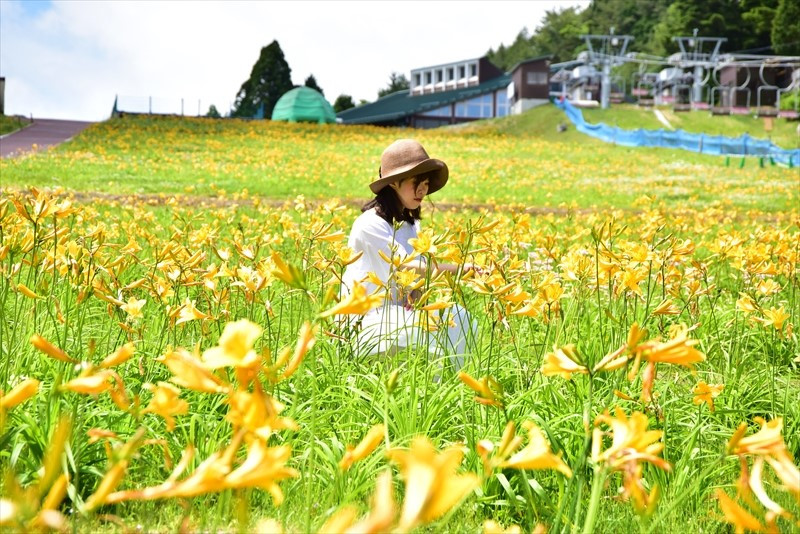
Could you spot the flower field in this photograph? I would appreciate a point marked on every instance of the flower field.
(175, 355)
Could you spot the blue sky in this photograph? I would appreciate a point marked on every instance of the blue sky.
(70, 59)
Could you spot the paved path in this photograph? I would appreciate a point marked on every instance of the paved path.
(43, 133)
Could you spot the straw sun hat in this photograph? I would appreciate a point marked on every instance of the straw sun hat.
(405, 158)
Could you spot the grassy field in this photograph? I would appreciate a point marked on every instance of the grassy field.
(176, 358)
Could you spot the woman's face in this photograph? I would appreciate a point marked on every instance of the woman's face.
(411, 191)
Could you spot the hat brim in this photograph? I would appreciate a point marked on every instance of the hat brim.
(437, 181)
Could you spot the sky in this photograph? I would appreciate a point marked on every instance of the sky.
(70, 59)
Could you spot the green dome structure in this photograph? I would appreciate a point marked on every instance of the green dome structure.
(303, 104)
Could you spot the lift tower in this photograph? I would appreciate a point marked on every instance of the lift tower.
(605, 51)
(698, 53)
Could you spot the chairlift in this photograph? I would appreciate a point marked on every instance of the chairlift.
(734, 94)
(740, 89)
(702, 102)
(617, 96)
(763, 110)
(716, 101)
(682, 98)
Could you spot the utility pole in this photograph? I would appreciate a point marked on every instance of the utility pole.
(605, 51)
(693, 56)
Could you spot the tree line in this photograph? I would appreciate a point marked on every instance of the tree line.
(763, 27)
(750, 26)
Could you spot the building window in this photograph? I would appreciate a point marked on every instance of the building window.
(438, 75)
(450, 74)
(502, 103)
(536, 78)
(473, 70)
(427, 77)
(462, 72)
(443, 111)
(479, 107)
(417, 79)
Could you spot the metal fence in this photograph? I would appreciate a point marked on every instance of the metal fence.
(191, 107)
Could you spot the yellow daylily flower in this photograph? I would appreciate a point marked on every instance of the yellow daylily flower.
(631, 441)
(563, 362)
(364, 448)
(235, 347)
(432, 485)
(356, 303)
(190, 372)
(536, 454)
(306, 339)
(134, 307)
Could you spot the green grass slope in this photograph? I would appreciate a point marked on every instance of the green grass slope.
(542, 121)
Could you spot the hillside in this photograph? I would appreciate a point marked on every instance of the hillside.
(543, 121)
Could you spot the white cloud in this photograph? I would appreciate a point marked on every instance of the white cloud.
(69, 59)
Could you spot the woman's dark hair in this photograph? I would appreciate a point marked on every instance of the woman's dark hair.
(389, 207)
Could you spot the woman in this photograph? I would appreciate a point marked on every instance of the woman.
(385, 228)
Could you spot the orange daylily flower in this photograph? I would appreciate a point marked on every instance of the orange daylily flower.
(679, 350)
(737, 516)
(666, 307)
(119, 356)
(263, 468)
(19, 393)
(774, 317)
(356, 303)
(188, 312)
(706, 393)
(22, 288)
(382, 513)
(208, 477)
(257, 413)
(364, 448)
(90, 382)
(165, 402)
(432, 485)
(51, 350)
(768, 443)
(489, 390)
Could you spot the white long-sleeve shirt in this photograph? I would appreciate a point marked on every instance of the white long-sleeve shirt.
(371, 234)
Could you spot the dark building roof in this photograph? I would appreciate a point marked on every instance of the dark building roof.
(401, 104)
(530, 60)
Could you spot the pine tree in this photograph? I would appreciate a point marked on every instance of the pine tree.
(785, 29)
(270, 78)
(312, 83)
(342, 103)
(397, 82)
